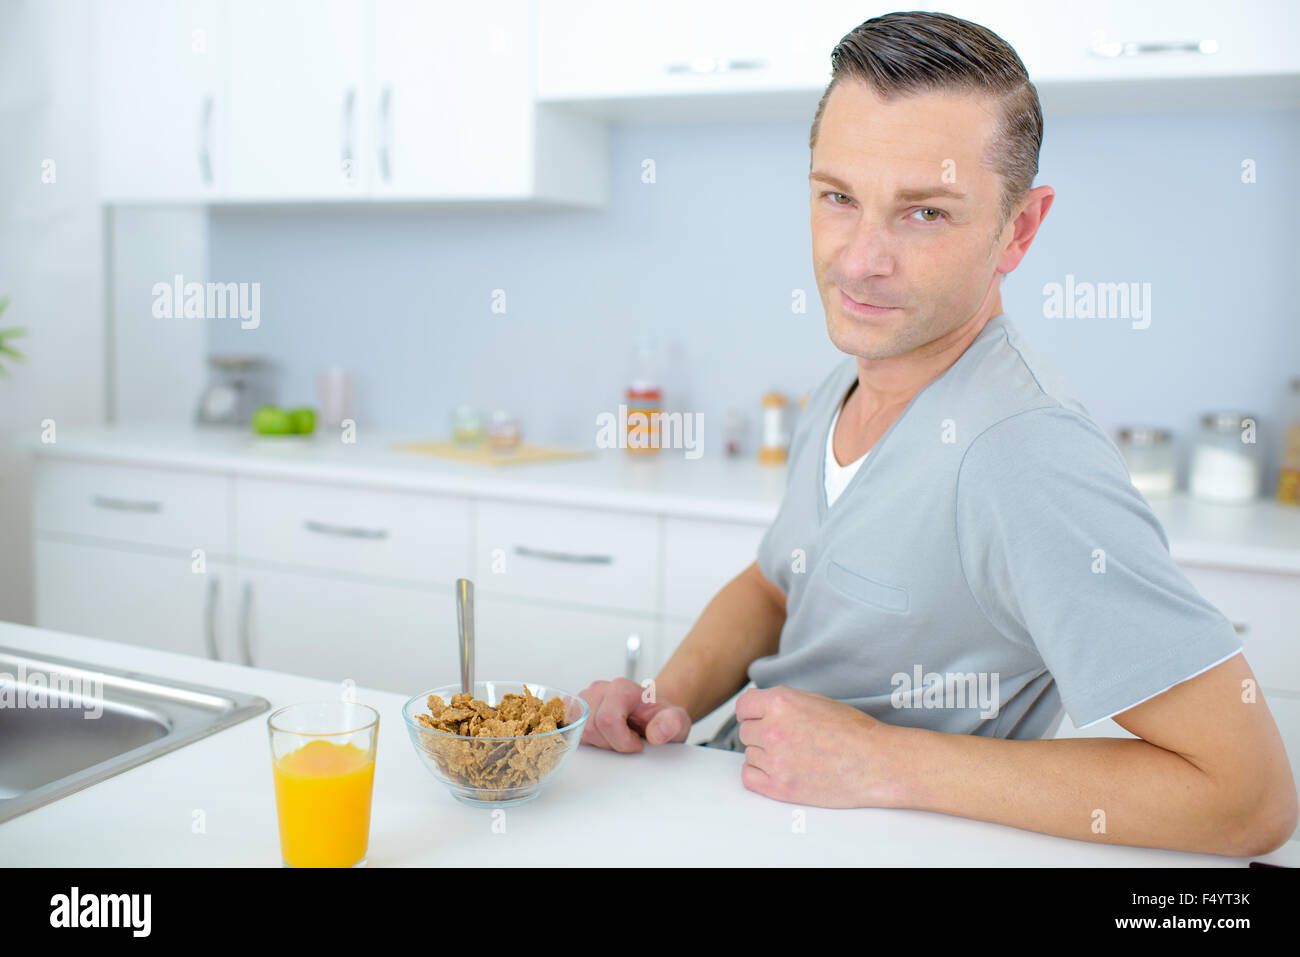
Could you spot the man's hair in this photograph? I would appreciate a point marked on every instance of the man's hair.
(903, 54)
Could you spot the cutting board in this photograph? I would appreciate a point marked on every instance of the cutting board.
(484, 454)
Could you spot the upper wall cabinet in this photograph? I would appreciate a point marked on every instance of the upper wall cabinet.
(298, 99)
(594, 49)
(334, 100)
(764, 58)
(163, 99)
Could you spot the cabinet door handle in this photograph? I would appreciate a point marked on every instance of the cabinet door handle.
(552, 556)
(386, 133)
(1240, 627)
(349, 111)
(343, 531)
(245, 621)
(1118, 48)
(205, 141)
(125, 504)
(209, 619)
(700, 66)
(633, 659)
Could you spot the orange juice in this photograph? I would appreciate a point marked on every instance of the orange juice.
(322, 797)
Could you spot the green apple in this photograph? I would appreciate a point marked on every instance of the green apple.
(272, 420)
(304, 420)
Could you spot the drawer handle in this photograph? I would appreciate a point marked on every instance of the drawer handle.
(209, 620)
(125, 505)
(701, 66)
(1117, 48)
(344, 531)
(245, 625)
(633, 656)
(1240, 627)
(551, 556)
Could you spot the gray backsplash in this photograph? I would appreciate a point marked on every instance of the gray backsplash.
(707, 258)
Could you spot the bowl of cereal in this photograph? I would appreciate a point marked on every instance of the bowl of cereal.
(499, 745)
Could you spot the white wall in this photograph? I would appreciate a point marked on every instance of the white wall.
(50, 254)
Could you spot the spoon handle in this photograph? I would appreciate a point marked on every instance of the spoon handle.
(465, 624)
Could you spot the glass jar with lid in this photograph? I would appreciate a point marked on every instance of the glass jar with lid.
(1226, 462)
(1152, 461)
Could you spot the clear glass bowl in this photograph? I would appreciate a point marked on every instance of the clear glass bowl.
(475, 768)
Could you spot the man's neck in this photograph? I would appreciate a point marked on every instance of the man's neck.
(886, 386)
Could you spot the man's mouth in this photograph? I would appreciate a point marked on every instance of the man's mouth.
(863, 308)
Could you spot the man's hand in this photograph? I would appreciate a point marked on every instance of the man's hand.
(619, 717)
(804, 748)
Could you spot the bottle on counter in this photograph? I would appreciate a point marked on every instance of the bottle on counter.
(774, 445)
(1288, 478)
(1225, 462)
(644, 400)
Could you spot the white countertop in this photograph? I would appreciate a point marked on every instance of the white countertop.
(1262, 536)
(676, 804)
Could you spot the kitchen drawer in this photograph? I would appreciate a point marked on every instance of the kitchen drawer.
(564, 648)
(581, 556)
(1266, 608)
(405, 536)
(702, 556)
(145, 506)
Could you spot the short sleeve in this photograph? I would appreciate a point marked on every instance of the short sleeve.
(1061, 551)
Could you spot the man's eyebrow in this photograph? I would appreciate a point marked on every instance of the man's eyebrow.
(906, 195)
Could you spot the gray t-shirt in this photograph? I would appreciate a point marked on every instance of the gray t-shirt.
(989, 563)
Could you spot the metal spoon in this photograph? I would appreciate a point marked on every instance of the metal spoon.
(465, 625)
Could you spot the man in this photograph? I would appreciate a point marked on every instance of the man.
(952, 515)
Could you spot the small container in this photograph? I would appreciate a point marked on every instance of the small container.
(1152, 461)
(1288, 477)
(644, 403)
(774, 445)
(503, 432)
(467, 425)
(1226, 461)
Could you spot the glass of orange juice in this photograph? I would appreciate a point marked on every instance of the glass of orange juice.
(323, 762)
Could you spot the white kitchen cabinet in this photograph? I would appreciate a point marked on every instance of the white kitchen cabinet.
(700, 557)
(361, 532)
(564, 648)
(600, 559)
(298, 92)
(594, 50)
(141, 597)
(391, 637)
(453, 111)
(1265, 608)
(162, 91)
(125, 503)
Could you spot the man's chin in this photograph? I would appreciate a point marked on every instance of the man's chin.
(851, 338)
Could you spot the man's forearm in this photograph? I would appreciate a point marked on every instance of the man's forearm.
(710, 665)
(1107, 790)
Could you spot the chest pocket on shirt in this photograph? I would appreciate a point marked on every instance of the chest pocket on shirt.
(889, 597)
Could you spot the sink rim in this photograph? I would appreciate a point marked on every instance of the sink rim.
(192, 710)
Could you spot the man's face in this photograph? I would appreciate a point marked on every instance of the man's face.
(884, 229)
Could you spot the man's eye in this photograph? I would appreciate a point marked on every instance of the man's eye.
(833, 195)
(931, 209)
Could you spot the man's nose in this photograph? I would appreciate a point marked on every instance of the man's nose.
(869, 251)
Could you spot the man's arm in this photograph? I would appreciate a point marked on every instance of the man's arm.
(741, 624)
(1209, 773)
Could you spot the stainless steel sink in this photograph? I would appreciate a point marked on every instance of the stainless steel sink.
(65, 725)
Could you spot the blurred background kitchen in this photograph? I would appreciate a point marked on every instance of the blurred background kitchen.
(533, 212)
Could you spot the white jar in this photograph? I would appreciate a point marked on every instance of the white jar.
(1226, 461)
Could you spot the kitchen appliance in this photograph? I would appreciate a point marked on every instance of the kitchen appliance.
(237, 387)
